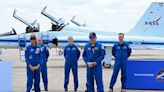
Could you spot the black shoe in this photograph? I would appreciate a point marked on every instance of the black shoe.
(75, 90)
(86, 90)
(110, 90)
(46, 90)
(66, 89)
(33, 89)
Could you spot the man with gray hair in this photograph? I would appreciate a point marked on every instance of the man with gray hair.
(71, 54)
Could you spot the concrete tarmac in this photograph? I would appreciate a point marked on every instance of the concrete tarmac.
(56, 71)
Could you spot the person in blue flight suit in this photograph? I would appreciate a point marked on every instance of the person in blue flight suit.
(71, 54)
(93, 55)
(45, 54)
(121, 51)
(33, 60)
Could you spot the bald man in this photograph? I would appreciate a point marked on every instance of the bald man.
(45, 54)
(71, 54)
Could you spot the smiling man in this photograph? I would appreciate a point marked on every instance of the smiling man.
(93, 54)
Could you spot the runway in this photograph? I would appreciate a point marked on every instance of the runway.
(56, 71)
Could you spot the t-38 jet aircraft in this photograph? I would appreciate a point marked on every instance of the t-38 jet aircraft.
(148, 33)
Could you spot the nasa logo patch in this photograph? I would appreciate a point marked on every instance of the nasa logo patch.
(68, 48)
(32, 50)
(89, 48)
(74, 49)
(124, 47)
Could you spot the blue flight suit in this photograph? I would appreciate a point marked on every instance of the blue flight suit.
(121, 52)
(94, 54)
(71, 54)
(33, 56)
(45, 54)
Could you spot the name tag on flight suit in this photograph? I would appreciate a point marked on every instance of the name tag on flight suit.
(37, 51)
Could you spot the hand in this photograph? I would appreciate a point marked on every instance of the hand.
(94, 63)
(90, 64)
(32, 68)
(37, 67)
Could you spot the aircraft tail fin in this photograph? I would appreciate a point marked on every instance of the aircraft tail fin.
(152, 22)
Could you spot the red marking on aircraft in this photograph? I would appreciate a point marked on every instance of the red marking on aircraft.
(157, 20)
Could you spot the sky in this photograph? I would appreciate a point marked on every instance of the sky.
(106, 15)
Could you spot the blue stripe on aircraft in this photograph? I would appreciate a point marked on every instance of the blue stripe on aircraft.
(109, 42)
(149, 43)
(8, 40)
